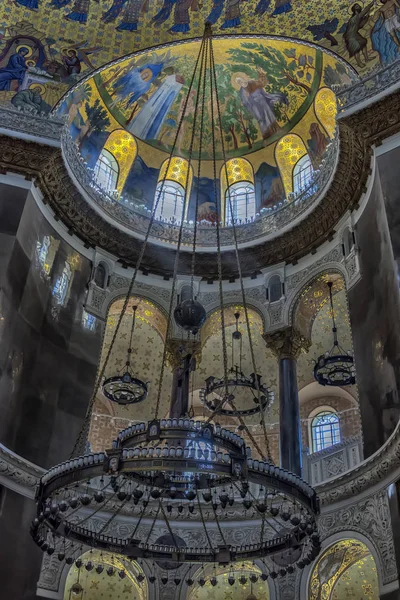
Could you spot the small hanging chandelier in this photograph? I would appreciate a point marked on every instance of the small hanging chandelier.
(335, 367)
(261, 395)
(124, 388)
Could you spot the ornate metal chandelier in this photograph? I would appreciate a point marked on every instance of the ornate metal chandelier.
(335, 367)
(178, 472)
(124, 388)
(210, 396)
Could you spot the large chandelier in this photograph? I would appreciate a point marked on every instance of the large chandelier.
(175, 473)
(336, 366)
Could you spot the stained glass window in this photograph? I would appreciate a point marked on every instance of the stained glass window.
(88, 321)
(170, 197)
(302, 174)
(61, 286)
(243, 202)
(106, 171)
(325, 430)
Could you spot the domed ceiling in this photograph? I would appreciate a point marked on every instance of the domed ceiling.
(276, 109)
(66, 39)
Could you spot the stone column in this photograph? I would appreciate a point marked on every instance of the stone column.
(181, 356)
(287, 344)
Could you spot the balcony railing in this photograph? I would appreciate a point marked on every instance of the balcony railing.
(131, 212)
(332, 461)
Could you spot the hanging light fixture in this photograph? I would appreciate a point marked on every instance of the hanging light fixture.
(124, 388)
(178, 471)
(335, 367)
(261, 396)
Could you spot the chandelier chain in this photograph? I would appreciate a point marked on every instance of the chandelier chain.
(214, 76)
(180, 236)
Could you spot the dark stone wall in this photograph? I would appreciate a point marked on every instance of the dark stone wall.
(48, 359)
(375, 318)
(20, 558)
(390, 181)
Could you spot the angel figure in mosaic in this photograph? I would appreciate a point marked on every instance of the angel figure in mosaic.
(130, 12)
(79, 12)
(31, 4)
(181, 14)
(232, 14)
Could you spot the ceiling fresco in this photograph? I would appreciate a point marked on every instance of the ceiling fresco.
(68, 38)
(266, 87)
(345, 570)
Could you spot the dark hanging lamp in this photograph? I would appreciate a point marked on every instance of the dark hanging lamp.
(335, 367)
(124, 388)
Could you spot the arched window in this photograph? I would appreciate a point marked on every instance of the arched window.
(100, 275)
(240, 202)
(46, 252)
(106, 171)
(88, 321)
(348, 241)
(325, 430)
(62, 284)
(274, 288)
(170, 196)
(302, 173)
(174, 182)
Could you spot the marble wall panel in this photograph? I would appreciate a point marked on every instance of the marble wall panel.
(375, 317)
(20, 558)
(48, 359)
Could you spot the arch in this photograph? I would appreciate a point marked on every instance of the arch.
(288, 151)
(333, 566)
(123, 146)
(234, 171)
(213, 319)
(301, 310)
(95, 584)
(302, 174)
(325, 107)
(175, 178)
(147, 310)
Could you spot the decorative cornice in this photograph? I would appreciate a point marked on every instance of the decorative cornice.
(17, 473)
(381, 467)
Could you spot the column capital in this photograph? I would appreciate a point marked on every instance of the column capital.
(178, 349)
(287, 342)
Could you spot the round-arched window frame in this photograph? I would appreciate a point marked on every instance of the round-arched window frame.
(106, 171)
(302, 174)
(240, 202)
(170, 199)
(325, 430)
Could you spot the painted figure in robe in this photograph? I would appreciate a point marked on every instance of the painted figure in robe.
(149, 121)
(356, 43)
(129, 10)
(14, 70)
(259, 102)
